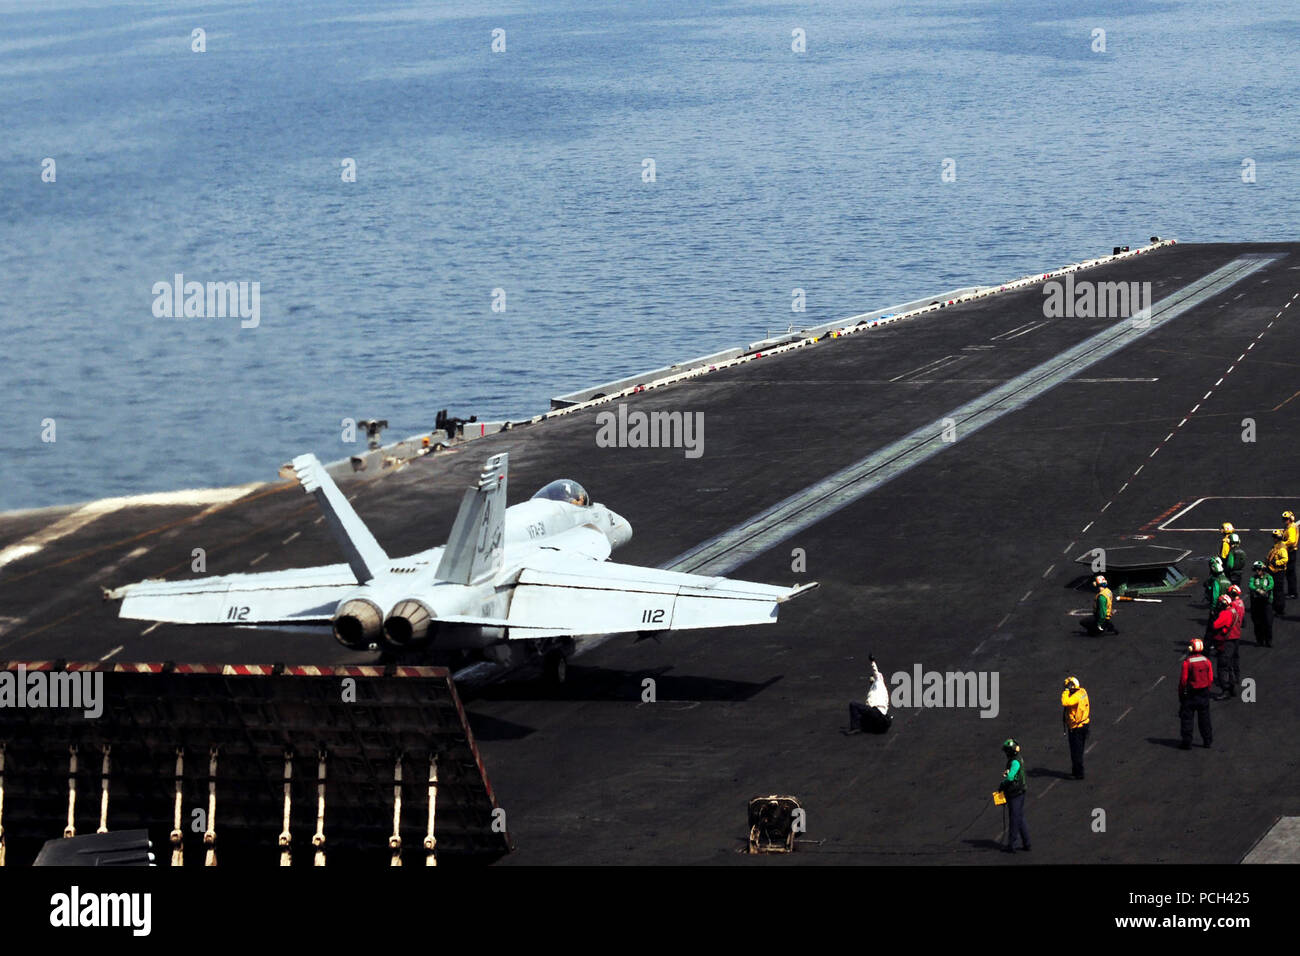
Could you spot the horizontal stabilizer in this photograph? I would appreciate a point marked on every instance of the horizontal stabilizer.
(307, 596)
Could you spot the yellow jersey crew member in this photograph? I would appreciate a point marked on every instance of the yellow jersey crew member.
(1075, 715)
(1277, 562)
(1292, 531)
(1225, 545)
(1103, 609)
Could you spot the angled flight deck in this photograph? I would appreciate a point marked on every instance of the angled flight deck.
(944, 555)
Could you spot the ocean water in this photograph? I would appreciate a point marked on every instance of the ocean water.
(522, 170)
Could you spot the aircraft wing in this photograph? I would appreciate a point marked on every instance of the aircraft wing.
(569, 598)
(295, 597)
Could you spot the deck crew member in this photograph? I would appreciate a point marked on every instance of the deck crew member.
(1235, 562)
(1103, 606)
(1225, 545)
(1229, 674)
(1194, 694)
(1014, 788)
(1220, 627)
(1075, 716)
(1261, 600)
(1292, 542)
(1277, 562)
(1217, 583)
(874, 715)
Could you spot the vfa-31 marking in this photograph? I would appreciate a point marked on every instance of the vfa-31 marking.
(510, 583)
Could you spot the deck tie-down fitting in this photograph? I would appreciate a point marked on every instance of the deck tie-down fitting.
(178, 835)
(286, 853)
(394, 841)
(71, 829)
(318, 840)
(430, 844)
(210, 835)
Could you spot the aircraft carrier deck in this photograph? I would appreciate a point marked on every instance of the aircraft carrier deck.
(951, 555)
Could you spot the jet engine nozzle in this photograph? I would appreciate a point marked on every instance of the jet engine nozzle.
(358, 623)
(408, 623)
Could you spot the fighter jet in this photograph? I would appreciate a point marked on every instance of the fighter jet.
(510, 584)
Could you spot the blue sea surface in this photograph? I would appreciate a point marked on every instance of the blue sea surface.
(522, 171)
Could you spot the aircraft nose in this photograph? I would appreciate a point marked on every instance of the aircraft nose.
(619, 531)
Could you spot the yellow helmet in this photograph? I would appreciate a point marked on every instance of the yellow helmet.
(1279, 534)
(1288, 516)
(1227, 527)
(1072, 683)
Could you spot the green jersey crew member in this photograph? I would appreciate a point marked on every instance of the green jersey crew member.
(1261, 600)
(1103, 609)
(1014, 788)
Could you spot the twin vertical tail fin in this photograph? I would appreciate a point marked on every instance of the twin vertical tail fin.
(364, 555)
(476, 547)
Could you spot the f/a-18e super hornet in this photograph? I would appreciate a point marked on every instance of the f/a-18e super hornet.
(510, 583)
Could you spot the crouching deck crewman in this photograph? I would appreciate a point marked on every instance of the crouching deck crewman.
(874, 715)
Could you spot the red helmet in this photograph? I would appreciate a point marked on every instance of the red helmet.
(1196, 646)
(1234, 591)
(1225, 600)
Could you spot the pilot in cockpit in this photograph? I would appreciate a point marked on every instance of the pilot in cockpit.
(565, 489)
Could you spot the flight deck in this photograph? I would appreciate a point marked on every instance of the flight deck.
(938, 475)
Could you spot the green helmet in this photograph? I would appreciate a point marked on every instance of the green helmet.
(1234, 539)
(1009, 747)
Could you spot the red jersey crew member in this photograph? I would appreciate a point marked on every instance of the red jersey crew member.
(1194, 694)
(1221, 627)
(1075, 715)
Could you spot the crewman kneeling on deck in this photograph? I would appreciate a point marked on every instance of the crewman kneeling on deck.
(1194, 694)
(1277, 562)
(874, 715)
(1102, 619)
(1261, 601)
(1292, 539)
(1013, 787)
(1075, 716)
